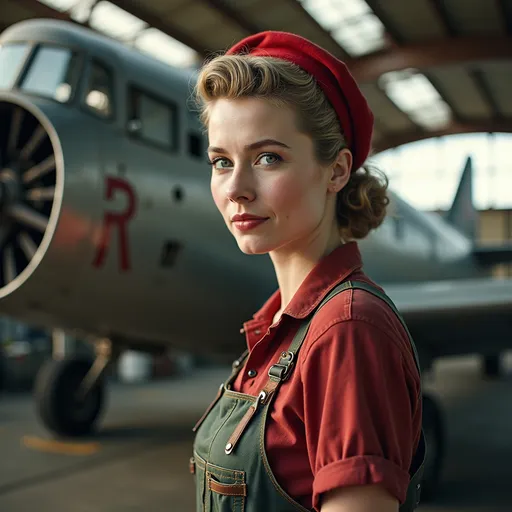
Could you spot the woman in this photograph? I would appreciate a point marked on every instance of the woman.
(323, 411)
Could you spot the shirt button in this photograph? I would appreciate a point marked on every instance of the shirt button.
(252, 373)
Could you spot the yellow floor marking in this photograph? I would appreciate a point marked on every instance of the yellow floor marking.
(53, 446)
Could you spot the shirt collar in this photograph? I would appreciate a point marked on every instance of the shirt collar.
(328, 272)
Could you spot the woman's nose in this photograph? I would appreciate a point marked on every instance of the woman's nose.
(240, 186)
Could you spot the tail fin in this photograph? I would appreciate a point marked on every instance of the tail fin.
(462, 214)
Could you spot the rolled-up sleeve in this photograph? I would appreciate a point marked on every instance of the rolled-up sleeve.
(362, 409)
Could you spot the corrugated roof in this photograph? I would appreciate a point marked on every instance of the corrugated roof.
(428, 67)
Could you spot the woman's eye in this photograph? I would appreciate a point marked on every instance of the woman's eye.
(225, 163)
(269, 159)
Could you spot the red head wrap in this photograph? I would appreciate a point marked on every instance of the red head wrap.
(331, 74)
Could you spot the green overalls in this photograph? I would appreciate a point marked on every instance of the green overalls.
(230, 465)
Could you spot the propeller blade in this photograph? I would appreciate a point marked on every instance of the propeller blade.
(41, 194)
(9, 264)
(14, 134)
(33, 143)
(27, 245)
(47, 165)
(28, 217)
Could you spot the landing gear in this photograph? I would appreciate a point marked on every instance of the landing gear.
(434, 429)
(70, 392)
(491, 366)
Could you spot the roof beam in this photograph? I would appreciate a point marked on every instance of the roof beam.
(44, 11)
(341, 53)
(233, 15)
(155, 21)
(444, 17)
(434, 54)
(472, 126)
(505, 10)
(398, 40)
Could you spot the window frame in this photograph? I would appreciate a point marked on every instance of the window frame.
(92, 61)
(23, 64)
(134, 92)
(36, 46)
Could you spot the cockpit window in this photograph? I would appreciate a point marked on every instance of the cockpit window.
(12, 56)
(100, 91)
(52, 73)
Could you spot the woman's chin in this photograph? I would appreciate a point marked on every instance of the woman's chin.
(253, 247)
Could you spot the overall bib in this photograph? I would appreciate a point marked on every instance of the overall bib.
(232, 472)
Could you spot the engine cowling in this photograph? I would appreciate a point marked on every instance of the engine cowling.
(31, 190)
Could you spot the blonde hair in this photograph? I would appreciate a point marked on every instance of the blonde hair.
(361, 205)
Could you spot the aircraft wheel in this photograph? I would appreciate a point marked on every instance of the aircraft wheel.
(434, 430)
(491, 366)
(60, 408)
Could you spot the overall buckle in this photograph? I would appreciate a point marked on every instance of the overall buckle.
(282, 370)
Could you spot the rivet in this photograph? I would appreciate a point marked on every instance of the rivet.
(252, 373)
(257, 331)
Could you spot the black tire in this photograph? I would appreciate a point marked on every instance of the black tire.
(58, 406)
(491, 366)
(434, 430)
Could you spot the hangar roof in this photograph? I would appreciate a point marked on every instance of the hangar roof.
(428, 67)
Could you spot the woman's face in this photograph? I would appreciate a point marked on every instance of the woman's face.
(265, 170)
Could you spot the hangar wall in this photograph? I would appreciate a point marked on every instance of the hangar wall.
(495, 226)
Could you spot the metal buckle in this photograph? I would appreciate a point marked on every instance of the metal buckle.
(281, 370)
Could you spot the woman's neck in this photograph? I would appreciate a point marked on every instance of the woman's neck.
(293, 266)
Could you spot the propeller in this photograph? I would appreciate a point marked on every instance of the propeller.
(27, 188)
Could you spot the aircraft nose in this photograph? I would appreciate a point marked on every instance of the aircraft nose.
(30, 177)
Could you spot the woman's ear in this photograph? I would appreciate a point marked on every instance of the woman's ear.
(340, 170)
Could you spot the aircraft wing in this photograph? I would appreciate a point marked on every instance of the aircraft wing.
(456, 317)
(492, 255)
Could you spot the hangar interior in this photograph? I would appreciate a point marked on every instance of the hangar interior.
(429, 68)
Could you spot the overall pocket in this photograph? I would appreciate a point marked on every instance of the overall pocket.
(225, 490)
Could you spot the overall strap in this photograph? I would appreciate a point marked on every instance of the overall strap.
(281, 371)
(235, 370)
(413, 496)
(277, 373)
(378, 293)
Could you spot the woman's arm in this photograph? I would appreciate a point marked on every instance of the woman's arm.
(359, 498)
(362, 414)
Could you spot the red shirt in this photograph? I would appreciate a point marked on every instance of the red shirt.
(350, 413)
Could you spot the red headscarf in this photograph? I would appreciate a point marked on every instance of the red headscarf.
(331, 74)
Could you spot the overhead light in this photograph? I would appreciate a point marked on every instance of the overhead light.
(350, 22)
(115, 22)
(165, 48)
(415, 95)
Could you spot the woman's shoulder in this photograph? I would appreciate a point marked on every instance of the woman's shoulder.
(337, 319)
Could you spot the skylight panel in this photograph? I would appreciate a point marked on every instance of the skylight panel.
(350, 22)
(361, 36)
(412, 93)
(115, 22)
(79, 10)
(82, 10)
(165, 48)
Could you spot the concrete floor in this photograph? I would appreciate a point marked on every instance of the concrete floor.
(139, 461)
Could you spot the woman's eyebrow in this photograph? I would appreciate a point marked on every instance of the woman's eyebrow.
(255, 145)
